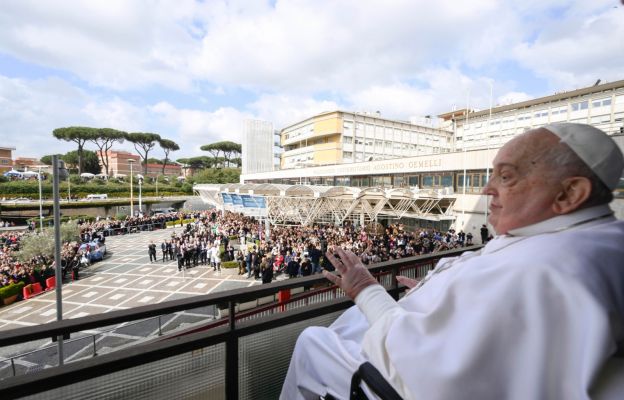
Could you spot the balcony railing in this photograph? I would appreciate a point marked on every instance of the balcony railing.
(244, 355)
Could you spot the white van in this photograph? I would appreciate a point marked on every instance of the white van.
(103, 196)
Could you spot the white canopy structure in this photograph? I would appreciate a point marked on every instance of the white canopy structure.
(30, 174)
(87, 175)
(305, 204)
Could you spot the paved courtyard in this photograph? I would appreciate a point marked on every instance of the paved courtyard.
(124, 279)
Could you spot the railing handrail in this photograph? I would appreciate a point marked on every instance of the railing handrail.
(56, 328)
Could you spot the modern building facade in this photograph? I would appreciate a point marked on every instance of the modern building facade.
(601, 106)
(6, 158)
(257, 146)
(464, 171)
(338, 137)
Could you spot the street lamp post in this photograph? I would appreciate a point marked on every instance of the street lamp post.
(131, 161)
(59, 172)
(140, 192)
(40, 204)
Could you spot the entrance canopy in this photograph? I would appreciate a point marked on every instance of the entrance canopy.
(306, 204)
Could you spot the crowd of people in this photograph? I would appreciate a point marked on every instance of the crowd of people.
(291, 250)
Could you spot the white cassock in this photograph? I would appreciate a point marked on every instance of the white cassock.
(536, 314)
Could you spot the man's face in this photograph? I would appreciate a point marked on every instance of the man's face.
(520, 185)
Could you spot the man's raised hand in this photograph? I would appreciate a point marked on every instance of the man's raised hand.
(354, 277)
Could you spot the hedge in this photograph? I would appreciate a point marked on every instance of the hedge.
(30, 188)
(64, 218)
(170, 224)
(229, 264)
(11, 290)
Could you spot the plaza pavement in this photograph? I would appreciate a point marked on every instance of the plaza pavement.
(124, 279)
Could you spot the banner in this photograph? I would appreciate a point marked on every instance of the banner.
(236, 200)
(253, 201)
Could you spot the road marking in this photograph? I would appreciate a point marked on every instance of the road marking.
(120, 280)
(21, 310)
(173, 283)
(144, 269)
(80, 314)
(200, 286)
(48, 313)
(145, 299)
(146, 282)
(117, 296)
(99, 278)
(90, 294)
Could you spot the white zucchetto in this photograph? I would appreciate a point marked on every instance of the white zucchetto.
(598, 150)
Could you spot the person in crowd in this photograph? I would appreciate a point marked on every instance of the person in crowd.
(266, 270)
(151, 250)
(163, 248)
(293, 267)
(538, 313)
(240, 259)
(306, 266)
(485, 233)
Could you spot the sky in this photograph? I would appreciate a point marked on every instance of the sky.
(193, 71)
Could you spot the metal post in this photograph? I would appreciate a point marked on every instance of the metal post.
(231, 357)
(40, 204)
(159, 326)
(13, 365)
(487, 167)
(464, 163)
(140, 206)
(57, 251)
(94, 347)
(131, 205)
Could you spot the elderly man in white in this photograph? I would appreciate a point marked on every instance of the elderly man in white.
(538, 313)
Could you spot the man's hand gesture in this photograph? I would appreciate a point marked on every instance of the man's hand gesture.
(354, 277)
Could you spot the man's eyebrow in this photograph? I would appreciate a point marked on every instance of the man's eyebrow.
(503, 165)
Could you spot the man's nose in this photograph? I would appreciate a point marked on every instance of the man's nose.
(488, 189)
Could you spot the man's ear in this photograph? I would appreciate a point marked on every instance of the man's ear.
(574, 192)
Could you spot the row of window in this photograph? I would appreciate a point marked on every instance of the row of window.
(475, 181)
(573, 107)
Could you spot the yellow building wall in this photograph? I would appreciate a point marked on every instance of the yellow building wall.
(333, 124)
(327, 157)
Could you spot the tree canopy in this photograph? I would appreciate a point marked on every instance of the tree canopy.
(167, 146)
(143, 143)
(90, 162)
(229, 150)
(77, 134)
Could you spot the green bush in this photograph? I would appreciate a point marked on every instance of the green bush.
(30, 188)
(177, 221)
(11, 290)
(229, 264)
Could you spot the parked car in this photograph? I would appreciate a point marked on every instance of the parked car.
(96, 249)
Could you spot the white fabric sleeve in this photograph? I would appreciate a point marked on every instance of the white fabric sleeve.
(374, 302)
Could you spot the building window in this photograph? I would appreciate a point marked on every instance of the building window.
(583, 105)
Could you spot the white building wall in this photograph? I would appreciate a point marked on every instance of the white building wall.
(257, 146)
(603, 109)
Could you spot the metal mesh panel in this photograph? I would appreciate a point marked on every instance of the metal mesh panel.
(199, 374)
(264, 358)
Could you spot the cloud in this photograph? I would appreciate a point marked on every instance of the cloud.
(31, 110)
(194, 128)
(576, 51)
(116, 44)
(349, 45)
(284, 109)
